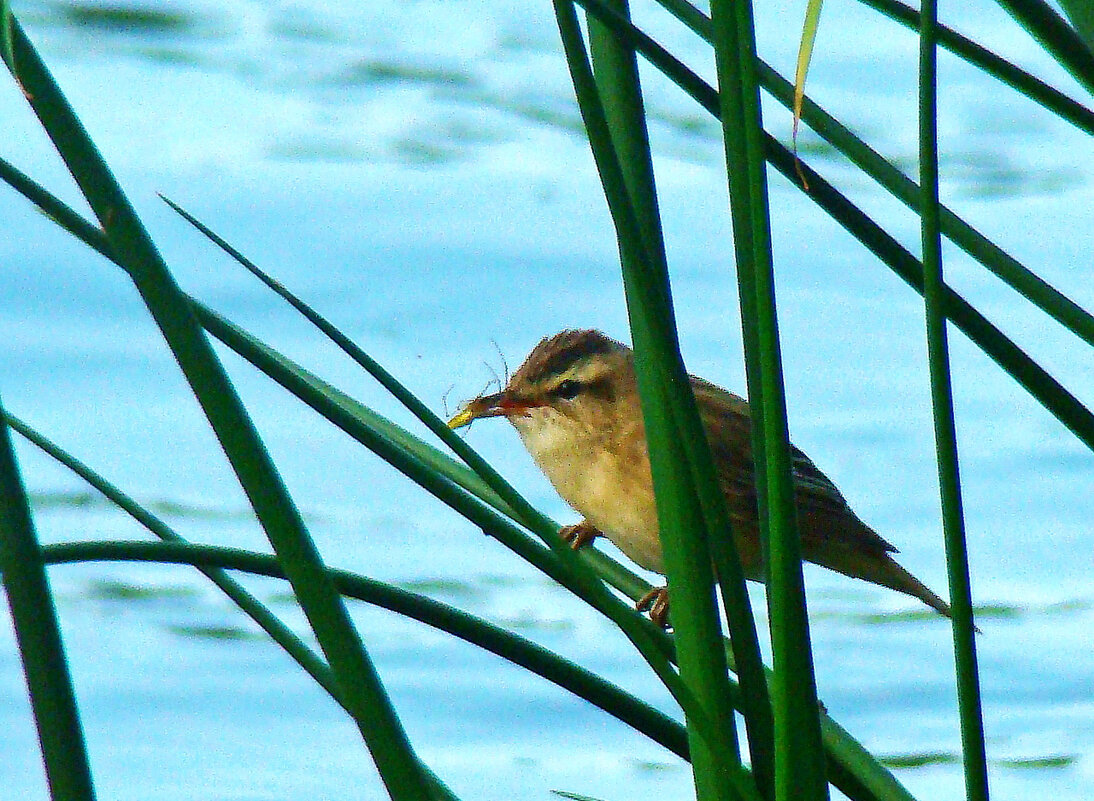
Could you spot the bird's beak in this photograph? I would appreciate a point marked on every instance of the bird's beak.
(500, 404)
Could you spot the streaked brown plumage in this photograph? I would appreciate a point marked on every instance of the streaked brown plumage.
(574, 402)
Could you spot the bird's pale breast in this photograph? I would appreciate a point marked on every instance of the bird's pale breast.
(610, 487)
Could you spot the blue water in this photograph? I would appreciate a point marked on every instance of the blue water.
(413, 170)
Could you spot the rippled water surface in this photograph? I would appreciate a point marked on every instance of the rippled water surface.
(416, 170)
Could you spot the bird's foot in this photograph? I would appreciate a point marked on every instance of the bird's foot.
(580, 534)
(656, 601)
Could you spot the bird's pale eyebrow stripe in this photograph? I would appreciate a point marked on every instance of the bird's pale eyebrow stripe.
(565, 357)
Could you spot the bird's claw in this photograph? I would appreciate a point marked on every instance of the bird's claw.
(579, 534)
(656, 601)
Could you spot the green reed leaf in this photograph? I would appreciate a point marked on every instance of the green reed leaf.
(38, 636)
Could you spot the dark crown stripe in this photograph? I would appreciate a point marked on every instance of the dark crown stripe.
(557, 354)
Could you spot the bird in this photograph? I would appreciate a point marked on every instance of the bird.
(574, 403)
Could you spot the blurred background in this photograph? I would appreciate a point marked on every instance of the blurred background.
(417, 171)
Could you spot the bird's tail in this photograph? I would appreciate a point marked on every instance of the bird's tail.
(881, 568)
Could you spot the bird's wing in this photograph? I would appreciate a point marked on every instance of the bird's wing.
(728, 424)
(823, 512)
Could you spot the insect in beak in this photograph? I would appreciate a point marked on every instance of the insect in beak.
(500, 404)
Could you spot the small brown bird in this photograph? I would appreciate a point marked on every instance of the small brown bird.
(574, 402)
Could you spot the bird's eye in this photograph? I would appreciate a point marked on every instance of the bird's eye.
(568, 389)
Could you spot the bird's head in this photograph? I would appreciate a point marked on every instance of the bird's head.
(573, 384)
